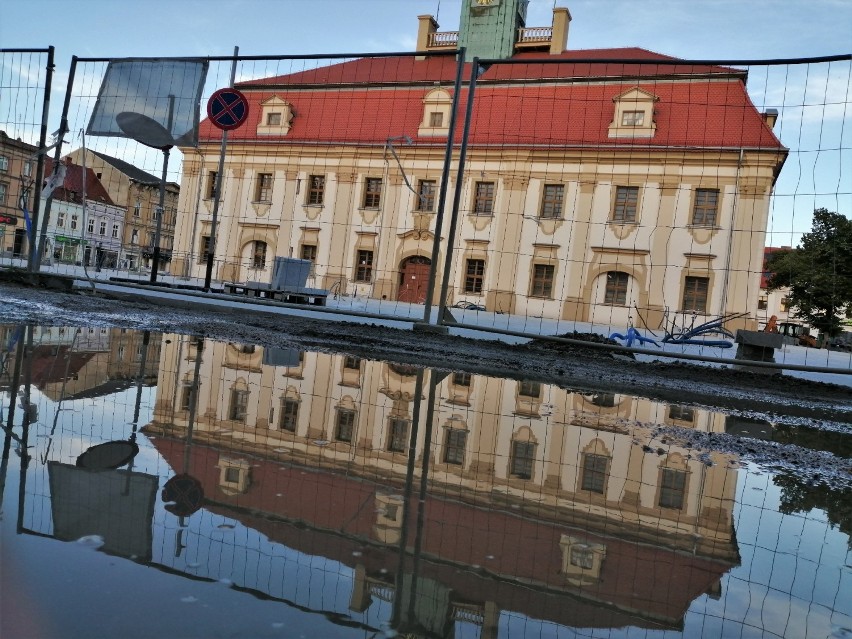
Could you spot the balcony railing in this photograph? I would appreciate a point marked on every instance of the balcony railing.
(443, 39)
(527, 37)
(534, 35)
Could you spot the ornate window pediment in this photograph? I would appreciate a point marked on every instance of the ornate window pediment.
(634, 114)
(276, 115)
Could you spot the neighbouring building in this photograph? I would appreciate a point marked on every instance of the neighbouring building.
(593, 191)
(17, 165)
(137, 192)
(83, 235)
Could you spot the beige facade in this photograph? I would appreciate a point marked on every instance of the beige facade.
(493, 440)
(614, 199)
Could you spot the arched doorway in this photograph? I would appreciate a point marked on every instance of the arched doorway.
(413, 279)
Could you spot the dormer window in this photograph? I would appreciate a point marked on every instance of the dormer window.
(633, 118)
(276, 116)
(634, 114)
(436, 113)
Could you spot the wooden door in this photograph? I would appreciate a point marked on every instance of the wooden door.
(413, 279)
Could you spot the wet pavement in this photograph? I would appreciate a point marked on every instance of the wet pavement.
(158, 484)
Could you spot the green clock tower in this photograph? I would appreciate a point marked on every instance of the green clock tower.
(489, 28)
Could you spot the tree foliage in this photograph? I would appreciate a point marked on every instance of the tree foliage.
(818, 272)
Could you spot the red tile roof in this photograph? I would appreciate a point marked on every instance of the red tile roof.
(72, 187)
(409, 70)
(699, 113)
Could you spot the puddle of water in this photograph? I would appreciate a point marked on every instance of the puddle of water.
(334, 496)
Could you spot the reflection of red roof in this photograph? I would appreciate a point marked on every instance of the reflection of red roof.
(55, 363)
(339, 510)
(369, 100)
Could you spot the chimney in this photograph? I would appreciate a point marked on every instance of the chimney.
(559, 37)
(425, 28)
(770, 116)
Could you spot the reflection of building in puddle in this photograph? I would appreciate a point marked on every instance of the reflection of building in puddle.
(530, 484)
(70, 363)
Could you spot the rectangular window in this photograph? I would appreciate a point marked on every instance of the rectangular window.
(60, 219)
(309, 252)
(289, 414)
(604, 400)
(626, 200)
(695, 294)
(398, 438)
(706, 205)
(352, 363)
(90, 227)
(134, 236)
(239, 405)
(316, 189)
(364, 267)
(542, 281)
(455, 443)
(186, 397)
(205, 247)
(461, 379)
(523, 455)
(672, 488)
(436, 119)
(115, 230)
(529, 389)
(551, 201)
(102, 228)
(372, 193)
(345, 425)
(616, 288)
(426, 195)
(594, 472)
(28, 169)
(74, 220)
(4, 163)
(633, 118)
(151, 238)
(681, 413)
(263, 190)
(483, 200)
(273, 119)
(211, 184)
(3, 189)
(137, 208)
(232, 475)
(474, 276)
(259, 255)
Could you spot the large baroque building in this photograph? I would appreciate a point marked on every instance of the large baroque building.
(613, 185)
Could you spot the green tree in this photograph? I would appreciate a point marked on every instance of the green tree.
(818, 272)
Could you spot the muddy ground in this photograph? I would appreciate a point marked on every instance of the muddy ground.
(577, 367)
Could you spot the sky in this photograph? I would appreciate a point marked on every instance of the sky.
(688, 29)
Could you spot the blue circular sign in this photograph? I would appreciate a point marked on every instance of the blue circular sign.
(227, 109)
